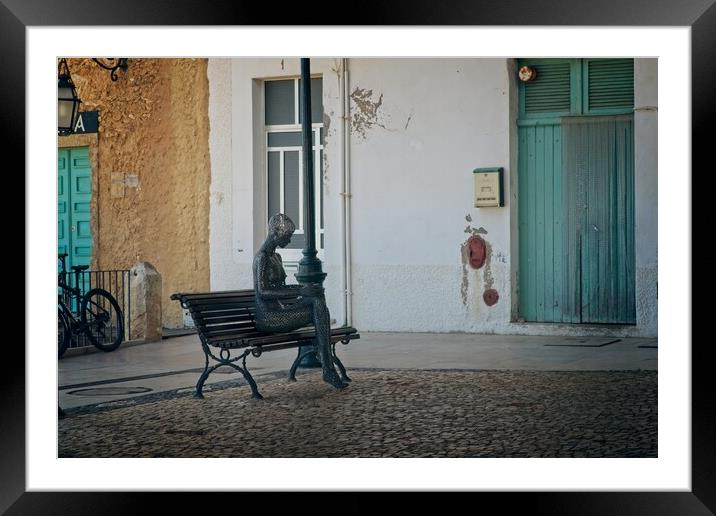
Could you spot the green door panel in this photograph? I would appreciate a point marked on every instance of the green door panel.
(80, 193)
(600, 200)
(542, 251)
(63, 201)
(74, 192)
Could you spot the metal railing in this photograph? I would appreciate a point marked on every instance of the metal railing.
(116, 282)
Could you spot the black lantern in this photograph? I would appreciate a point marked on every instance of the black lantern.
(68, 103)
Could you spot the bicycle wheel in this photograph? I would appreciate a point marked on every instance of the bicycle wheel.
(102, 319)
(64, 335)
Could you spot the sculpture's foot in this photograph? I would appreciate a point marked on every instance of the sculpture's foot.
(331, 377)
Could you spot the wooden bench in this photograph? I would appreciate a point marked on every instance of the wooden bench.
(225, 322)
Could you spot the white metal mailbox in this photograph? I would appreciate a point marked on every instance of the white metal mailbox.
(488, 187)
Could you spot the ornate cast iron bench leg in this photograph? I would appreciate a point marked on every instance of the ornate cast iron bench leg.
(249, 379)
(225, 359)
(302, 352)
(204, 374)
(339, 364)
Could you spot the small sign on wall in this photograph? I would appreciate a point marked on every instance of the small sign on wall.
(131, 180)
(117, 187)
(122, 180)
(488, 187)
(87, 122)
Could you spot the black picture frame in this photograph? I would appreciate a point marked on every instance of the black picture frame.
(700, 15)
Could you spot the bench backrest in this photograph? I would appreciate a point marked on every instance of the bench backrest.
(225, 315)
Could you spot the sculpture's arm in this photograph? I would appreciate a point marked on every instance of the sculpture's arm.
(266, 291)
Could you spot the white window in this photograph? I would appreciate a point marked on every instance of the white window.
(284, 161)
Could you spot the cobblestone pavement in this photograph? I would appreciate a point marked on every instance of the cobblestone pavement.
(388, 413)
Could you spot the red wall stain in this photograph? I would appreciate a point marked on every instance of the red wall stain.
(490, 297)
(478, 251)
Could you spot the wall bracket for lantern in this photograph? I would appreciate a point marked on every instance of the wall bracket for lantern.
(112, 64)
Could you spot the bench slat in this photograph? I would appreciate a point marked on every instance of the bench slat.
(205, 321)
(274, 347)
(281, 344)
(214, 314)
(258, 338)
(235, 330)
(224, 305)
(297, 336)
(212, 295)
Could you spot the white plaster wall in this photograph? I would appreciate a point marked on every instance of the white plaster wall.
(646, 187)
(221, 199)
(412, 194)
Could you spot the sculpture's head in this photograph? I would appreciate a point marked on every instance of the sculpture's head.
(281, 228)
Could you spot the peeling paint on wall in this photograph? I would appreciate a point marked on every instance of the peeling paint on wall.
(365, 113)
(326, 139)
(464, 256)
(475, 231)
(326, 126)
(487, 276)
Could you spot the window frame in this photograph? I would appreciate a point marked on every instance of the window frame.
(292, 256)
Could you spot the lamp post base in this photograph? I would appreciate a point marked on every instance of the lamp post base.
(310, 361)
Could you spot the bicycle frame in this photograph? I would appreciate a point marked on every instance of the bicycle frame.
(86, 312)
(66, 298)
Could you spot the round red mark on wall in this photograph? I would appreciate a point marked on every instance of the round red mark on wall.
(490, 297)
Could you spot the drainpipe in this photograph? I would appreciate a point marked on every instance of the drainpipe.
(345, 200)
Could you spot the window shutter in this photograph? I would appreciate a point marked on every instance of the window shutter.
(610, 84)
(549, 92)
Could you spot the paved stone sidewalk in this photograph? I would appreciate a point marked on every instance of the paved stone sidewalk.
(388, 413)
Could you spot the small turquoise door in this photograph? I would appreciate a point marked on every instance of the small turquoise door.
(576, 191)
(74, 191)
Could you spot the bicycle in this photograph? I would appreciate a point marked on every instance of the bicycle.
(97, 314)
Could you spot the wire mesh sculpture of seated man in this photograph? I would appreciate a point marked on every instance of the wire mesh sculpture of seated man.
(276, 311)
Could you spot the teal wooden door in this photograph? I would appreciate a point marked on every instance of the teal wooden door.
(576, 193)
(599, 201)
(63, 202)
(74, 191)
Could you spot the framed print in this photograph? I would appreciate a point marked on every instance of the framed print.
(31, 32)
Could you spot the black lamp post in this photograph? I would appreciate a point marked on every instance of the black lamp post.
(309, 268)
(68, 103)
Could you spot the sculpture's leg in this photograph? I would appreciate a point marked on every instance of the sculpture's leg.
(339, 365)
(322, 323)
